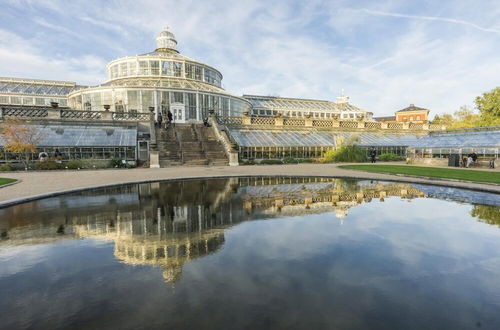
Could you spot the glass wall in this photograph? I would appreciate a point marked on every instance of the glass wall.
(139, 100)
(191, 105)
(146, 67)
(69, 153)
(133, 101)
(281, 152)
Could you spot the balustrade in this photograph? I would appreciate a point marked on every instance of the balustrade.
(56, 113)
(25, 112)
(77, 114)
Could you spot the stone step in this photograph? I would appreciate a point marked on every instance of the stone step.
(166, 163)
(218, 163)
(196, 162)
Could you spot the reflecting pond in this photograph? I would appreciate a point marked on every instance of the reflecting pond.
(253, 253)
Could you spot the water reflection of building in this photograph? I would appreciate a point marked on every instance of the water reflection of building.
(168, 224)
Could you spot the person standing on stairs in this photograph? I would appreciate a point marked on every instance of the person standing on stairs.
(170, 118)
(160, 119)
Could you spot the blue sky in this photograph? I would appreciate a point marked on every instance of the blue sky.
(384, 54)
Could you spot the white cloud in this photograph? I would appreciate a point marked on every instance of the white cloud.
(25, 61)
(433, 18)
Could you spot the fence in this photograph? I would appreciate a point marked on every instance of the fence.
(42, 113)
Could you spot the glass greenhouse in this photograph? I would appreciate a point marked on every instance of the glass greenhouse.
(83, 142)
(311, 144)
(269, 106)
(164, 80)
(484, 141)
(33, 92)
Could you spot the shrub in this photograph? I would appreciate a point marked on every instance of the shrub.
(247, 162)
(74, 164)
(118, 163)
(49, 165)
(305, 160)
(290, 160)
(96, 163)
(349, 153)
(271, 161)
(7, 167)
(390, 157)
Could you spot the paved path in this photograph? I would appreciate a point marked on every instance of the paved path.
(35, 185)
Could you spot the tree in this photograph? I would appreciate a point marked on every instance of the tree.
(444, 119)
(464, 117)
(486, 213)
(20, 138)
(488, 104)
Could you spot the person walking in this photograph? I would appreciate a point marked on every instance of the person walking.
(469, 160)
(170, 118)
(373, 155)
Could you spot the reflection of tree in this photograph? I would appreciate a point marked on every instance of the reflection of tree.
(487, 214)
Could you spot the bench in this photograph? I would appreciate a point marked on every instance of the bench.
(484, 162)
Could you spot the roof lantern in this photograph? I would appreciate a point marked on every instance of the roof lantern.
(166, 41)
(342, 98)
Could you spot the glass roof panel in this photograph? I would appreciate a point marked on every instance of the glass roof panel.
(86, 136)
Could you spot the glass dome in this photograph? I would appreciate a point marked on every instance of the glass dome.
(166, 40)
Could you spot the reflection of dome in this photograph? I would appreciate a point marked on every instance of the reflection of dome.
(170, 254)
(172, 274)
(341, 212)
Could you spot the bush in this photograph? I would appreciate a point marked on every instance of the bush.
(49, 165)
(349, 153)
(290, 160)
(271, 161)
(390, 157)
(74, 164)
(7, 167)
(118, 163)
(95, 163)
(247, 162)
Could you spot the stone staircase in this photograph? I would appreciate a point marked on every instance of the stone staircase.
(168, 147)
(189, 144)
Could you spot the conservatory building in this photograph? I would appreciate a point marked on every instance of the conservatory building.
(161, 81)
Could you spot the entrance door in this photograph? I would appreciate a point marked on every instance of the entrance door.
(178, 112)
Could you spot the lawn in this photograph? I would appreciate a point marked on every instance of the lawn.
(434, 172)
(6, 181)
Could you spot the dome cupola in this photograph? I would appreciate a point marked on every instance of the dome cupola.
(166, 41)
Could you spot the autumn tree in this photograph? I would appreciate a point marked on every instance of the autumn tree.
(488, 104)
(20, 138)
(487, 113)
(444, 119)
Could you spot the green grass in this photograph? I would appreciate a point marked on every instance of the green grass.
(6, 181)
(434, 172)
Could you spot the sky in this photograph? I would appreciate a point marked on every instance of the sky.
(383, 54)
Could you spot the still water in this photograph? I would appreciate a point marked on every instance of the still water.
(253, 253)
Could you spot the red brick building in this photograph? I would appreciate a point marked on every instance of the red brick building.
(412, 114)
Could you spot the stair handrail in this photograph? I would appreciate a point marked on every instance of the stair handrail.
(223, 137)
(178, 139)
(152, 131)
(200, 138)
